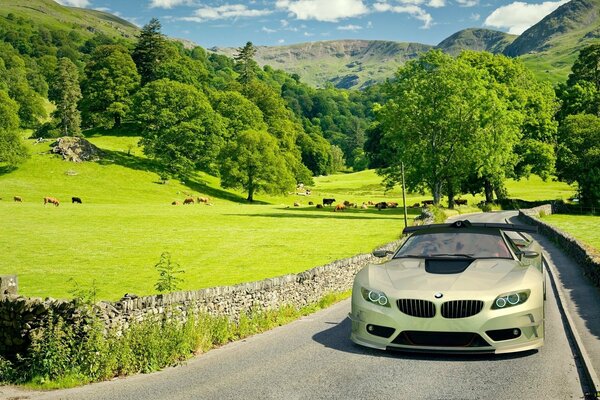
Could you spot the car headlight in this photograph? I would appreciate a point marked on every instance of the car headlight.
(375, 297)
(510, 299)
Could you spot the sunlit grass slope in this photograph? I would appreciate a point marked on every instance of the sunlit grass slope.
(126, 221)
(582, 227)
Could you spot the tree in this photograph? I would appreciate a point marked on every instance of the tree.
(246, 66)
(110, 80)
(12, 148)
(581, 93)
(150, 51)
(239, 112)
(180, 128)
(579, 155)
(65, 93)
(254, 163)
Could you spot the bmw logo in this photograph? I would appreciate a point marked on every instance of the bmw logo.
(438, 295)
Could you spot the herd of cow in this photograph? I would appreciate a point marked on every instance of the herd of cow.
(380, 205)
(191, 200)
(51, 200)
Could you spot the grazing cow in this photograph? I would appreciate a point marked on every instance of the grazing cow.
(175, 203)
(340, 207)
(328, 202)
(370, 203)
(18, 199)
(296, 204)
(427, 203)
(203, 199)
(76, 200)
(310, 203)
(319, 205)
(51, 200)
(392, 204)
(460, 202)
(347, 203)
(416, 205)
(381, 205)
(364, 206)
(189, 200)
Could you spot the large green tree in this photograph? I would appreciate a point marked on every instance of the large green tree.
(150, 51)
(110, 80)
(245, 64)
(179, 126)
(12, 148)
(66, 94)
(579, 155)
(253, 162)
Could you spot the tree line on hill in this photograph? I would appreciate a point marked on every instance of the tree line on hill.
(460, 124)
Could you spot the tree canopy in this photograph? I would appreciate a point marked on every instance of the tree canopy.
(66, 94)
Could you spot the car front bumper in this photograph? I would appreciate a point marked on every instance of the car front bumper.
(388, 328)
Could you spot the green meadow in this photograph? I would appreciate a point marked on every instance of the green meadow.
(581, 227)
(112, 241)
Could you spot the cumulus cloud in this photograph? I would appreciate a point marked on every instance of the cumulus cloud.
(226, 11)
(410, 9)
(467, 3)
(169, 3)
(349, 28)
(517, 17)
(323, 10)
(436, 3)
(268, 30)
(74, 3)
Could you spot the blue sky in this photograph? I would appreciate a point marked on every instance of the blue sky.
(231, 23)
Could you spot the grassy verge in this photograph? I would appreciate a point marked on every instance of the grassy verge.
(60, 357)
(582, 227)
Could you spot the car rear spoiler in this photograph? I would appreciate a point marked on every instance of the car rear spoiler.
(468, 224)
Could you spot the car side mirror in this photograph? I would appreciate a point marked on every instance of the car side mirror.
(382, 253)
(529, 254)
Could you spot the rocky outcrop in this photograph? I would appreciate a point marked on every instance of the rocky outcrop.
(75, 149)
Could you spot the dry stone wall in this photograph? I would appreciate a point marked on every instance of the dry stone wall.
(588, 258)
(20, 316)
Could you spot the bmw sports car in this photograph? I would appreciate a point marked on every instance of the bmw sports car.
(460, 287)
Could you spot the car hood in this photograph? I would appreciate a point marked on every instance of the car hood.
(410, 274)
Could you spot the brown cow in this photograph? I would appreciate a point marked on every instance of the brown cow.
(381, 205)
(392, 204)
(427, 203)
(296, 204)
(416, 205)
(364, 206)
(319, 205)
(189, 200)
(460, 202)
(175, 203)
(18, 199)
(203, 199)
(340, 207)
(52, 200)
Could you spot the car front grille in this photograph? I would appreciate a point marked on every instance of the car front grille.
(416, 307)
(461, 308)
(440, 339)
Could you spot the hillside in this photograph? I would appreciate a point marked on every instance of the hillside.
(343, 63)
(551, 46)
(476, 39)
(85, 21)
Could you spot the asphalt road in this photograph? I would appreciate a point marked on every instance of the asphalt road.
(313, 358)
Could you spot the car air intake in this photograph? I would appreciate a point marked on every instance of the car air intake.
(416, 307)
(461, 308)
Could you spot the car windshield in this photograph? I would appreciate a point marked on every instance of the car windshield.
(455, 244)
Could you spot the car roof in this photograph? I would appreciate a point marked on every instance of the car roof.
(468, 226)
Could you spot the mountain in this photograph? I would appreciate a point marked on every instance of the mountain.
(476, 39)
(343, 63)
(85, 21)
(551, 46)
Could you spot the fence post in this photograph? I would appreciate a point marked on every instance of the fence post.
(9, 284)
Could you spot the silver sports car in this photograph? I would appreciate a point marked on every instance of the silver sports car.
(460, 287)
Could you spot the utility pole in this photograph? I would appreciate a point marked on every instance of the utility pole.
(404, 196)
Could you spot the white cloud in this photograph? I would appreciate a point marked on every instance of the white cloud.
(268, 30)
(169, 3)
(103, 9)
(226, 11)
(411, 9)
(349, 28)
(467, 3)
(369, 24)
(308, 34)
(284, 23)
(323, 10)
(517, 17)
(436, 3)
(281, 41)
(475, 17)
(74, 3)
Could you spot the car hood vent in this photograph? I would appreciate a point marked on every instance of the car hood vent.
(446, 266)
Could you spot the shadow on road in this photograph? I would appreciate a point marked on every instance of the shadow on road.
(338, 338)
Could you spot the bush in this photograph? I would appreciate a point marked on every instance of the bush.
(485, 207)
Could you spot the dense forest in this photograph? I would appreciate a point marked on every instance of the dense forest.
(459, 124)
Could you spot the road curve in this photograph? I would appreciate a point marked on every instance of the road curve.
(313, 358)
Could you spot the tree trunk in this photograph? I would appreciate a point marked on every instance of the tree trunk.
(250, 190)
(117, 120)
(489, 191)
(450, 194)
(437, 193)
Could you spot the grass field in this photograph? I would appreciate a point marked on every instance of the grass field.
(582, 227)
(116, 236)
